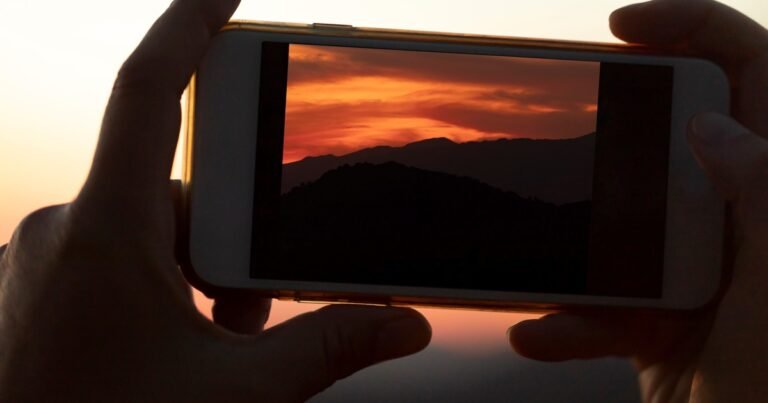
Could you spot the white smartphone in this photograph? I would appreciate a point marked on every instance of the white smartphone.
(340, 164)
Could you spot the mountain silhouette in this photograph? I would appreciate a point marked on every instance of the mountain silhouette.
(558, 171)
(393, 224)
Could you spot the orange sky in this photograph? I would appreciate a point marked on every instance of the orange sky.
(340, 100)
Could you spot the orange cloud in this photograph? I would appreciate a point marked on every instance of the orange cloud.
(340, 100)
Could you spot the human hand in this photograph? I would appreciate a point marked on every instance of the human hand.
(719, 354)
(93, 306)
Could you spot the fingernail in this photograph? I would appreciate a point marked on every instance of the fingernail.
(713, 130)
(403, 335)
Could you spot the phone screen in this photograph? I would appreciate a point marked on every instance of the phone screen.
(462, 171)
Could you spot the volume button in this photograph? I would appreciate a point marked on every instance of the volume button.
(340, 27)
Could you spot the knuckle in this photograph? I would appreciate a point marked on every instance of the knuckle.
(40, 233)
(38, 223)
(58, 235)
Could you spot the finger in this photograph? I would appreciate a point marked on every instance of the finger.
(310, 352)
(140, 128)
(645, 336)
(736, 160)
(241, 311)
(714, 31)
(704, 26)
(561, 337)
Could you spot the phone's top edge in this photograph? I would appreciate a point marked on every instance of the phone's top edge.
(341, 30)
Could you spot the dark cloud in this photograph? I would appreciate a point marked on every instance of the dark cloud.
(310, 118)
(552, 125)
(318, 120)
(561, 99)
(571, 81)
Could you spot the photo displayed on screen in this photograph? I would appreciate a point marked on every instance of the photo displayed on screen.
(434, 169)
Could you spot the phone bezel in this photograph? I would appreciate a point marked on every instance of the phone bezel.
(223, 118)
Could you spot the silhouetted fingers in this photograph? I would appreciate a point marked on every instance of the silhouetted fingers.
(714, 31)
(645, 336)
(306, 354)
(560, 337)
(706, 27)
(141, 124)
(241, 311)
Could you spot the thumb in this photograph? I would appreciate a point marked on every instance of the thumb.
(303, 356)
(736, 161)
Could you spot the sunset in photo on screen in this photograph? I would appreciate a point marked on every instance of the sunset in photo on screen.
(341, 100)
(435, 144)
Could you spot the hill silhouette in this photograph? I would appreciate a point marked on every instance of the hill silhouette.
(558, 171)
(393, 224)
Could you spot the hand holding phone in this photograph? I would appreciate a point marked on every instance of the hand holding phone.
(716, 354)
(93, 306)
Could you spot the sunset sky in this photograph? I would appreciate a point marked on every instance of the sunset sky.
(342, 99)
(59, 59)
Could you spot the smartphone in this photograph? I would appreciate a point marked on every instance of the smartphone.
(339, 164)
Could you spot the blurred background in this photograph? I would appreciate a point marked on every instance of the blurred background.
(57, 63)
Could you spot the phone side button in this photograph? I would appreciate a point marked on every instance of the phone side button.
(330, 299)
(335, 27)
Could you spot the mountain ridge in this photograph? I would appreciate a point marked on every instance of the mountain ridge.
(410, 226)
(558, 171)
